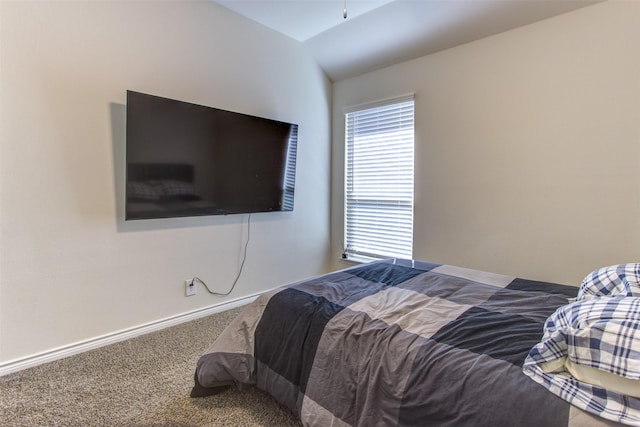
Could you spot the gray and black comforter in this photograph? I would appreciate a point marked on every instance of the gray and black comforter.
(396, 342)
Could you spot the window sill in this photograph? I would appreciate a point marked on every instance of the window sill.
(358, 259)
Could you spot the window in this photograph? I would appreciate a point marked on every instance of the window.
(290, 170)
(379, 180)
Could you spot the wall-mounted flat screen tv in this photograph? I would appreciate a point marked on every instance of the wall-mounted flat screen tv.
(185, 159)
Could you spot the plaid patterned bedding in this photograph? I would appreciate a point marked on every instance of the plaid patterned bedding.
(396, 342)
(621, 279)
(600, 333)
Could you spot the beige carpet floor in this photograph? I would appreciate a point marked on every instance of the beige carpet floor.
(144, 381)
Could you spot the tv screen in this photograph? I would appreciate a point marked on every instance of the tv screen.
(185, 159)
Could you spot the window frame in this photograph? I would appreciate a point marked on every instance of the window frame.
(372, 253)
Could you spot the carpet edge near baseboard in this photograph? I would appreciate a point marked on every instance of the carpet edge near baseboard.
(22, 363)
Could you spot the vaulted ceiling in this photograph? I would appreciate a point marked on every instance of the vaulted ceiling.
(377, 33)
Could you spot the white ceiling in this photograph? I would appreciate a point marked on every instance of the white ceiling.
(378, 33)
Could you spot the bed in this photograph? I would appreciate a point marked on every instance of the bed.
(164, 190)
(398, 342)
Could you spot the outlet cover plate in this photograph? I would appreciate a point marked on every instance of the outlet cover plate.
(189, 287)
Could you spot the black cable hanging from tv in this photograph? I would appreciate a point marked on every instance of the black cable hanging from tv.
(244, 258)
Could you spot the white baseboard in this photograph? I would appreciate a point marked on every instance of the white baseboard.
(101, 341)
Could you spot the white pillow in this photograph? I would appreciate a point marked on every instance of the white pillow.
(603, 379)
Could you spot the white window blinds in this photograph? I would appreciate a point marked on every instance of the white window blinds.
(290, 170)
(379, 180)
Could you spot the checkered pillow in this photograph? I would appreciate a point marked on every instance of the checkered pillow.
(144, 190)
(173, 188)
(621, 279)
(601, 333)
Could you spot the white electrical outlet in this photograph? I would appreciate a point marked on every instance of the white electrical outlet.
(190, 287)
